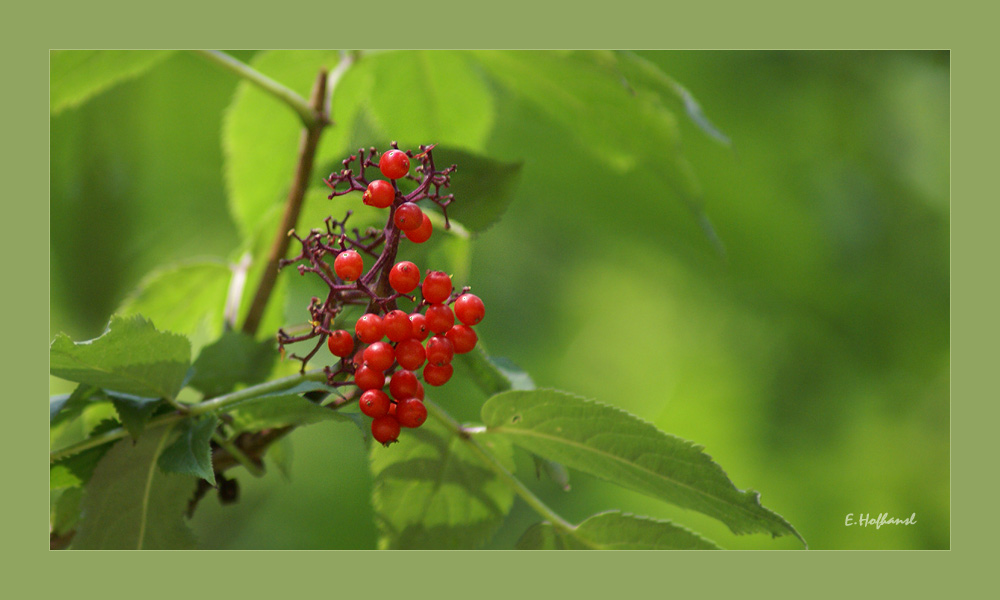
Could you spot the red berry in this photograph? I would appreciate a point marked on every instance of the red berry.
(385, 430)
(403, 385)
(420, 234)
(367, 378)
(340, 343)
(437, 375)
(392, 409)
(469, 309)
(439, 350)
(439, 318)
(348, 265)
(380, 356)
(436, 287)
(369, 328)
(379, 194)
(394, 164)
(411, 412)
(398, 327)
(462, 337)
(375, 403)
(408, 216)
(410, 354)
(404, 277)
(359, 358)
(420, 391)
(419, 323)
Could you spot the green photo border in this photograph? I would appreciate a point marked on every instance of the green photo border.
(787, 25)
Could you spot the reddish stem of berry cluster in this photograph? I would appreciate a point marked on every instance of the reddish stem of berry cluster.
(387, 345)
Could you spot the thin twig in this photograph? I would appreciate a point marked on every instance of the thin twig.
(307, 154)
(308, 113)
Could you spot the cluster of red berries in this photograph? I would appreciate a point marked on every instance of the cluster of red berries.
(389, 346)
(398, 344)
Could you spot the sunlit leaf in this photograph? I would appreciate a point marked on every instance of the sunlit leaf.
(76, 75)
(610, 443)
(187, 297)
(131, 357)
(614, 530)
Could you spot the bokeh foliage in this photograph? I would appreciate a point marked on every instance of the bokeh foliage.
(811, 358)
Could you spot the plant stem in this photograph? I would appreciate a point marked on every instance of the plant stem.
(238, 455)
(310, 115)
(491, 461)
(228, 401)
(307, 153)
(219, 403)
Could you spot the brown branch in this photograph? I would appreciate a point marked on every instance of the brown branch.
(293, 206)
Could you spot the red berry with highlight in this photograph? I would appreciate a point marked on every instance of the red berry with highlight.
(411, 412)
(469, 309)
(380, 356)
(410, 354)
(462, 337)
(348, 265)
(436, 287)
(438, 375)
(439, 350)
(340, 343)
(421, 234)
(375, 403)
(385, 430)
(408, 216)
(369, 328)
(367, 378)
(403, 385)
(439, 318)
(394, 164)
(398, 327)
(419, 323)
(404, 277)
(379, 194)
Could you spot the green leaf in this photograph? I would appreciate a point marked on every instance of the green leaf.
(191, 452)
(66, 511)
(553, 470)
(494, 375)
(614, 530)
(283, 408)
(638, 71)
(134, 411)
(67, 407)
(281, 453)
(187, 297)
(76, 470)
(431, 491)
(76, 75)
(610, 443)
(260, 136)
(234, 358)
(483, 187)
(626, 128)
(130, 504)
(422, 97)
(131, 357)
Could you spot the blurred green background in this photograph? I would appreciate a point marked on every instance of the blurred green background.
(812, 361)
